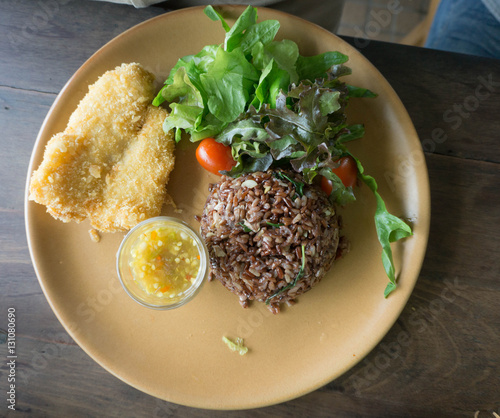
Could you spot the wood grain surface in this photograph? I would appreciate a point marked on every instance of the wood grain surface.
(440, 359)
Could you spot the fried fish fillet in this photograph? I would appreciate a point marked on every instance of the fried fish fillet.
(112, 162)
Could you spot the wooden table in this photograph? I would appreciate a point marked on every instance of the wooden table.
(442, 356)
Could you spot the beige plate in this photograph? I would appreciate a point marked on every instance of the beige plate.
(179, 355)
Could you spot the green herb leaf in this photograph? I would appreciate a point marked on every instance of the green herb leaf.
(389, 228)
(272, 81)
(300, 274)
(249, 69)
(311, 68)
(245, 228)
(353, 91)
(299, 186)
(275, 225)
(351, 133)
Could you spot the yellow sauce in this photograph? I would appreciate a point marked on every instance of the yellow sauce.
(164, 261)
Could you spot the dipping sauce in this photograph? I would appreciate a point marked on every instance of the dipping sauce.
(162, 262)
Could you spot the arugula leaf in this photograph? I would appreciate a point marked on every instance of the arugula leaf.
(389, 228)
(340, 194)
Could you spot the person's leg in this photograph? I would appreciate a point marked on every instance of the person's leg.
(465, 26)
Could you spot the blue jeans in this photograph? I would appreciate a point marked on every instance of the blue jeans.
(465, 26)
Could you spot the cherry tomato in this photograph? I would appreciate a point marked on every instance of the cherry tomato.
(214, 156)
(347, 171)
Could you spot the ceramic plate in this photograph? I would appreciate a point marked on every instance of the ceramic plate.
(179, 355)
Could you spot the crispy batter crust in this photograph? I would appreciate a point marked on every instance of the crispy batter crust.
(112, 162)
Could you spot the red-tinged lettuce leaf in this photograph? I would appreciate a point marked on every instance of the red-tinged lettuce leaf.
(248, 164)
(293, 132)
(245, 130)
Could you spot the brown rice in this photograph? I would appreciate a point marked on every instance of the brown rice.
(258, 226)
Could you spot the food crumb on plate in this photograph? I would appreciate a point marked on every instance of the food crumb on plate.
(94, 235)
(236, 345)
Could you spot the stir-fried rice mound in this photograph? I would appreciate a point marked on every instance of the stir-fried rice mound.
(270, 237)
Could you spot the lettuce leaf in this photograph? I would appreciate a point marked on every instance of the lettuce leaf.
(228, 83)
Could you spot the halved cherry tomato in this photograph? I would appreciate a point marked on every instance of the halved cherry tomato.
(347, 172)
(214, 156)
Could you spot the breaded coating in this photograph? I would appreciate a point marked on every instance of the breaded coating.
(112, 162)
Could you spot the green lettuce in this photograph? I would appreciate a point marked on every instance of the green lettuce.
(208, 90)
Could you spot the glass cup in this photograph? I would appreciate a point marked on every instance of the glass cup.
(130, 273)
